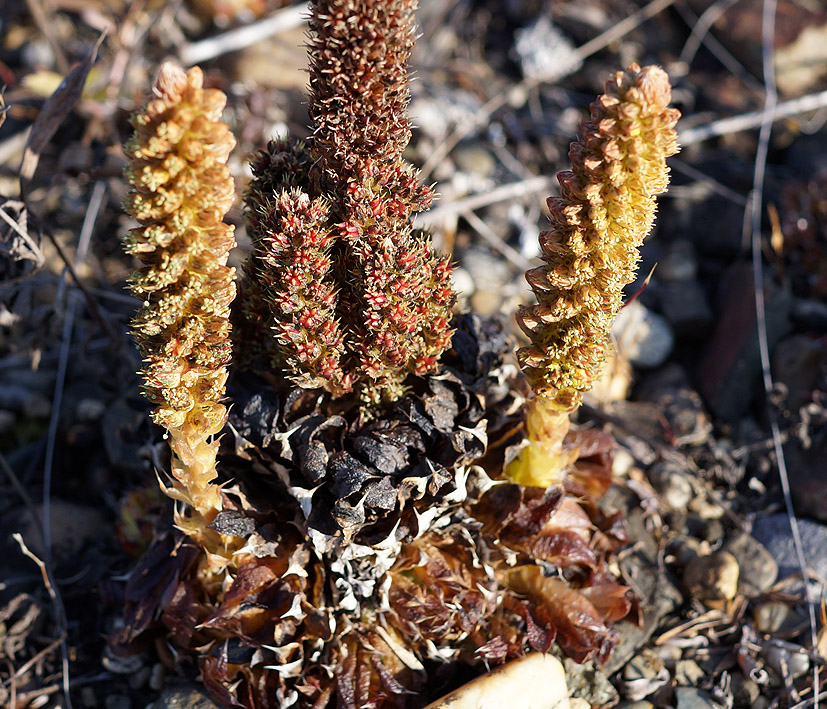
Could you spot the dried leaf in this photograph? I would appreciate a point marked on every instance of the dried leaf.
(580, 630)
(54, 112)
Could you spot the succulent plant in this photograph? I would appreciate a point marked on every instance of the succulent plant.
(182, 188)
(363, 557)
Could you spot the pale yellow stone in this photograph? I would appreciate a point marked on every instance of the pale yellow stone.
(536, 681)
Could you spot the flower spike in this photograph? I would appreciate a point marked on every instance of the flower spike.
(605, 209)
(182, 188)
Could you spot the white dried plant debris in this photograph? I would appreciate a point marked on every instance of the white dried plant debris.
(544, 52)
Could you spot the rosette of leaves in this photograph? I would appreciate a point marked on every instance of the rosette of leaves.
(427, 579)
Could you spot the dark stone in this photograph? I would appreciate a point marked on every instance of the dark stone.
(758, 570)
(684, 305)
(731, 364)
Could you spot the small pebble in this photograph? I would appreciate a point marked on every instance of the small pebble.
(140, 678)
(786, 663)
(684, 304)
(622, 463)
(678, 262)
(670, 653)
(672, 484)
(544, 51)
(90, 409)
(118, 701)
(158, 677)
(688, 673)
(475, 160)
(758, 569)
(462, 282)
(184, 695)
(712, 578)
(692, 698)
(7, 419)
(771, 616)
(643, 337)
(486, 303)
(706, 509)
(744, 691)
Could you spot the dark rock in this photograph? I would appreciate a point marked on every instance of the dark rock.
(798, 362)
(678, 262)
(685, 306)
(775, 534)
(808, 481)
(731, 363)
(809, 314)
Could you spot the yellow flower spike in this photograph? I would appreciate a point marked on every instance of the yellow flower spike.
(605, 210)
(182, 189)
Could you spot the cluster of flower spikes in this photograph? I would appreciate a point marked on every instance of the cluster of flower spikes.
(396, 298)
(182, 188)
(605, 209)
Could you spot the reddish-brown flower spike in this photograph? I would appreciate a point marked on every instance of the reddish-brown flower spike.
(293, 267)
(182, 188)
(283, 165)
(605, 209)
(359, 51)
(396, 303)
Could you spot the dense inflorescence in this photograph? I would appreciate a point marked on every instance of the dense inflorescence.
(605, 209)
(387, 311)
(182, 188)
